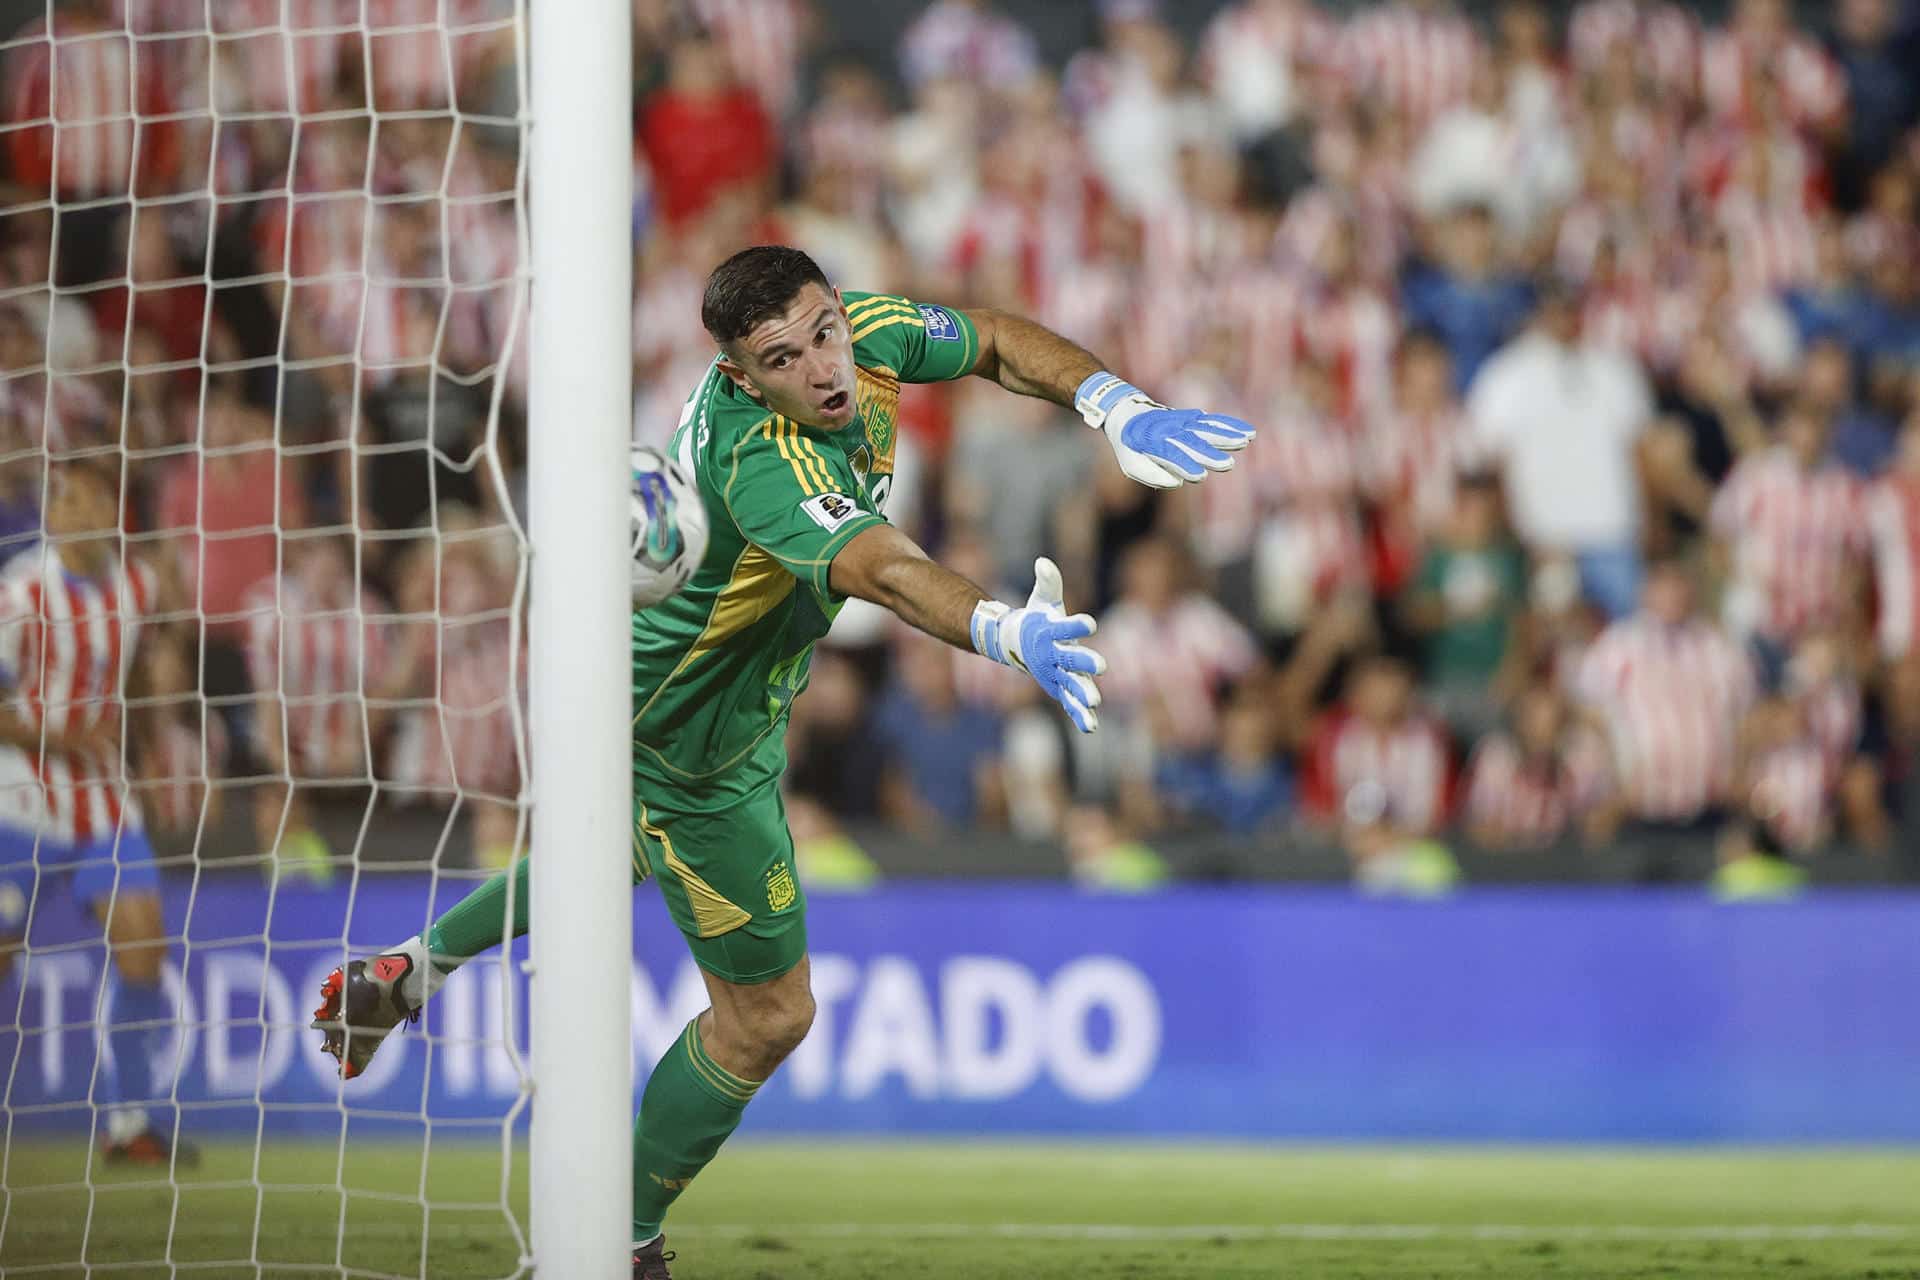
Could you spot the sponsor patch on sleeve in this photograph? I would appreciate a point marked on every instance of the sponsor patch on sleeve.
(830, 510)
(941, 326)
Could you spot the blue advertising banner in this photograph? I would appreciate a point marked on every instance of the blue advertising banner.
(1237, 1012)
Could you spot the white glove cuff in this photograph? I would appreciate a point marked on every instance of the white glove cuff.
(984, 630)
(1108, 400)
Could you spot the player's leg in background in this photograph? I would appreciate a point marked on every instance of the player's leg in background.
(283, 825)
(701, 1087)
(117, 878)
(495, 833)
(17, 879)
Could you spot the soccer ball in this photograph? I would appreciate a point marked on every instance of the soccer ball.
(669, 527)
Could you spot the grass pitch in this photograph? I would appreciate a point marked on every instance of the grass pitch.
(773, 1211)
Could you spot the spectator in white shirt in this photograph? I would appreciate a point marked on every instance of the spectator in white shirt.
(1561, 418)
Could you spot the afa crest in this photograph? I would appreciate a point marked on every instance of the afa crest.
(780, 890)
(878, 397)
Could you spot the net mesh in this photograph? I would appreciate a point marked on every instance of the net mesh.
(262, 387)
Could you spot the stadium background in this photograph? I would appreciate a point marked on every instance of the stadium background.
(1327, 221)
(1403, 647)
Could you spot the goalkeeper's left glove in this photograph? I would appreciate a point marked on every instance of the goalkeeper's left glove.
(1041, 640)
(1162, 448)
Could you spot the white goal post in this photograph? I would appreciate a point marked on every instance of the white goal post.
(280, 280)
(579, 433)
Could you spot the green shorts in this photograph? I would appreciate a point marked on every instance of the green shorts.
(729, 882)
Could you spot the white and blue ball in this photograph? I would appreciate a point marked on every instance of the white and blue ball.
(669, 527)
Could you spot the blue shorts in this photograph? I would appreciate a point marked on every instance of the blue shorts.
(95, 867)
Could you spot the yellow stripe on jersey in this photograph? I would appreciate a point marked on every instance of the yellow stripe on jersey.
(860, 319)
(884, 321)
(806, 456)
(775, 429)
(757, 585)
(868, 307)
(818, 463)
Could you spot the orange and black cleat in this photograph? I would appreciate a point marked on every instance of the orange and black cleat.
(151, 1149)
(363, 1002)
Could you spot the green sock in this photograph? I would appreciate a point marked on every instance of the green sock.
(690, 1107)
(478, 921)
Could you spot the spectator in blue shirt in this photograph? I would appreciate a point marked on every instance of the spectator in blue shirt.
(1465, 295)
(1832, 303)
(1862, 438)
(1883, 95)
(1890, 339)
(941, 766)
(1243, 786)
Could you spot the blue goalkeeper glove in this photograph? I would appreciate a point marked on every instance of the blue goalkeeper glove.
(1161, 448)
(1041, 640)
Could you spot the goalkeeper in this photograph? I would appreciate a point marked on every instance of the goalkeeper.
(790, 438)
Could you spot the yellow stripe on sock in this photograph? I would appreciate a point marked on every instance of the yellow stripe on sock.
(722, 1080)
(745, 1088)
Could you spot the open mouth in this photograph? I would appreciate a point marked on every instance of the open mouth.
(835, 402)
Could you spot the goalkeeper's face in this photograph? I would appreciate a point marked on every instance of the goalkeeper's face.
(799, 363)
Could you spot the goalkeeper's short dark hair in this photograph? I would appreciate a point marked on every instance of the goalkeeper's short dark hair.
(752, 285)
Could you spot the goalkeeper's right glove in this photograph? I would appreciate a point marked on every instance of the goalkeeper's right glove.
(1040, 640)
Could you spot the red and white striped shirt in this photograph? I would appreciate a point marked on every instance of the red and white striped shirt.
(1665, 38)
(175, 769)
(66, 646)
(75, 89)
(286, 62)
(1792, 787)
(1407, 761)
(1793, 532)
(1774, 246)
(1413, 463)
(1181, 659)
(1770, 166)
(1893, 523)
(1673, 697)
(1352, 329)
(318, 658)
(331, 265)
(1187, 241)
(1530, 803)
(1252, 56)
(419, 62)
(969, 43)
(1812, 86)
(468, 740)
(1300, 500)
(1624, 315)
(1417, 62)
(764, 42)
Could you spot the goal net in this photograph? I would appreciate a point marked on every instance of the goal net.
(263, 395)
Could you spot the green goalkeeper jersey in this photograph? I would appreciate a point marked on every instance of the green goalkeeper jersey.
(717, 666)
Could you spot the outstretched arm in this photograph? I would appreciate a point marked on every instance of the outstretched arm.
(1028, 358)
(1159, 447)
(883, 565)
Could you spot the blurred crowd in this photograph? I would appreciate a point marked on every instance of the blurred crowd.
(1583, 339)
(262, 283)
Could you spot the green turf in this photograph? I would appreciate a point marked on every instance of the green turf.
(851, 1211)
